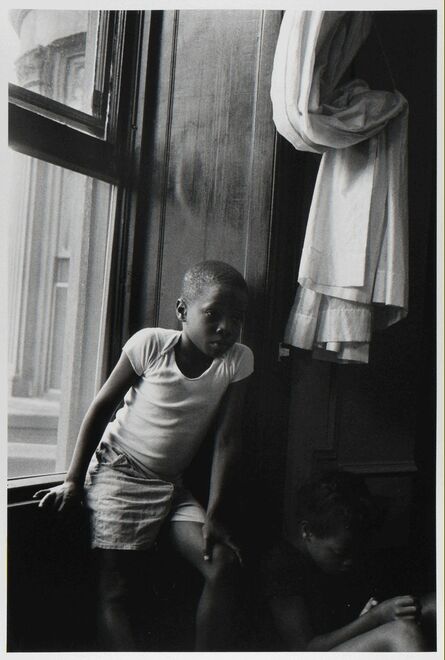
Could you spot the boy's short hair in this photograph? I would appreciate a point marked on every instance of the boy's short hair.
(208, 273)
(336, 500)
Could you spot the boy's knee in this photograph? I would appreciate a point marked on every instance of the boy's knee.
(406, 635)
(115, 583)
(114, 591)
(224, 564)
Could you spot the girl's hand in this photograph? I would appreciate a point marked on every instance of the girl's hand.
(60, 497)
(214, 532)
(400, 607)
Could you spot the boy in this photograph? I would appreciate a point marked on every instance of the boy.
(319, 594)
(175, 383)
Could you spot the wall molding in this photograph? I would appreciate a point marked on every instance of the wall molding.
(381, 468)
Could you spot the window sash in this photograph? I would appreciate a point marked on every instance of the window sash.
(50, 131)
(40, 137)
(108, 40)
(42, 105)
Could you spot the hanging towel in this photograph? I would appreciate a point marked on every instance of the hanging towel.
(354, 266)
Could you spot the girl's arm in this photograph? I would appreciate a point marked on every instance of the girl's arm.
(225, 461)
(292, 622)
(96, 419)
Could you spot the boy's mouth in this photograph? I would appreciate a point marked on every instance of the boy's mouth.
(220, 345)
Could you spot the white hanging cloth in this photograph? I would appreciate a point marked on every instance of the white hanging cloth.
(354, 266)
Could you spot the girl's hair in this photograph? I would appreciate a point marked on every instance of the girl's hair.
(207, 273)
(336, 500)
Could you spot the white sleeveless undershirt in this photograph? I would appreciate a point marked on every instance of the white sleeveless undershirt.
(165, 415)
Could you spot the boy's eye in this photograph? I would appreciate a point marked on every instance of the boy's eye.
(214, 315)
(340, 554)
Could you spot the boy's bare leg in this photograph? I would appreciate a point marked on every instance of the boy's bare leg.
(116, 575)
(216, 613)
(401, 635)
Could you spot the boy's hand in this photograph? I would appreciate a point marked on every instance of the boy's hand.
(60, 497)
(400, 607)
(215, 532)
(372, 602)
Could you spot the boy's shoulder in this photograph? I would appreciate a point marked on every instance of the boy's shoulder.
(148, 345)
(283, 570)
(159, 337)
(240, 361)
(239, 350)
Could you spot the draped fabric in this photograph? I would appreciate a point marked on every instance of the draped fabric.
(353, 270)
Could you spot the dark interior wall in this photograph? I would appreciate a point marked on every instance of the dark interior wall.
(209, 171)
(379, 419)
(51, 583)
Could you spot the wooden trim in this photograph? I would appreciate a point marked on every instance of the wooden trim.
(166, 162)
(131, 127)
(381, 468)
(327, 457)
(259, 269)
(149, 228)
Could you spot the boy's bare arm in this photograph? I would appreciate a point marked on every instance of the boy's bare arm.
(91, 430)
(400, 607)
(292, 623)
(225, 460)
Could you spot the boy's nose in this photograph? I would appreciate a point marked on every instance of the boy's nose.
(224, 327)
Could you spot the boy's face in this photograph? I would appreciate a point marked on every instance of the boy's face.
(213, 320)
(333, 554)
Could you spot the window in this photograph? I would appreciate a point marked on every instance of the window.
(59, 238)
(66, 127)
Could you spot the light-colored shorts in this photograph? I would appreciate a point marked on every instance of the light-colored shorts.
(128, 505)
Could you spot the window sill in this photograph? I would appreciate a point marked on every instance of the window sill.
(22, 489)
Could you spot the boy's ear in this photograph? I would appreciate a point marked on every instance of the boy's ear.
(181, 309)
(305, 530)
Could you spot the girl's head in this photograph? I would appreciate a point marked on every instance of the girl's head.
(334, 514)
(212, 305)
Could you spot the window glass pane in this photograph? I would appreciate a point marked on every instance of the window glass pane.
(59, 245)
(53, 53)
